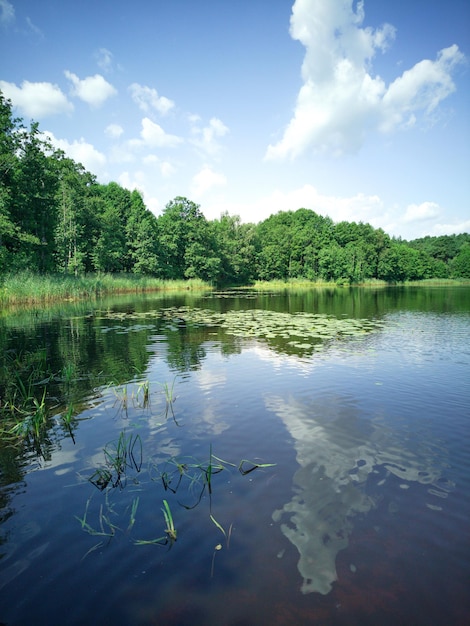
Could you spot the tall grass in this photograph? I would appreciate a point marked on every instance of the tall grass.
(299, 283)
(26, 287)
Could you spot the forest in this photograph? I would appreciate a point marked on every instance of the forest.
(55, 217)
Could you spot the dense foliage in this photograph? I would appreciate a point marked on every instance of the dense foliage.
(56, 217)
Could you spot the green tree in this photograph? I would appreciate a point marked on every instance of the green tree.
(290, 243)
(142, 238)
(8, 165)
(74, 219)
(34, 203)
(187, 246)
(460, 266)
(236, 247)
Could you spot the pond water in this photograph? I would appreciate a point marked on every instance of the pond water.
(240, 458)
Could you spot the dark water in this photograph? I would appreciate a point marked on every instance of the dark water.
(359, 397)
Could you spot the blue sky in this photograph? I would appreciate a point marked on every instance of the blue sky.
(357, 110)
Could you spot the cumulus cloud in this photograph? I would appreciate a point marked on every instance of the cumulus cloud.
(341, 99)
(154, 136)
(114, 131)
(451, 229)
(37, 100)
(206, 179)
(7, 13)
(206, 138)
(80, 151)
(94, 90)
(147, 99)
(357, 208)
(421, 212)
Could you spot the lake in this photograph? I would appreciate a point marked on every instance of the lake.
(239, 458)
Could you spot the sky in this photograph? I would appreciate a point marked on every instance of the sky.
(359, 110)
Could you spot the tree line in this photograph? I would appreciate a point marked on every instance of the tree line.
(56, 217)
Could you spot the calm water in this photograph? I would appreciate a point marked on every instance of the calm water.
(359, 399)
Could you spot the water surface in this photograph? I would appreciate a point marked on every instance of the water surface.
(353, 402)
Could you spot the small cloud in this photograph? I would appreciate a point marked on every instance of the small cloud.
(114, 131)
(206, 179)
(37, 100)
(104, 59)
(94, 90)
(7, 13)
(165, 167)
(35, 28)
(147, 99)
(153, 135)
(421, 212)
(206, 138)
(80, 151)
(150, 159)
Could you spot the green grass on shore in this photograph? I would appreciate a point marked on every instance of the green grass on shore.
(296, 283)
(29, 288)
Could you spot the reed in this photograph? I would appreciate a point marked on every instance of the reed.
(26, 287)
(67, 420)
(135, 504)
(121, 455)
(170, 529)
(142, 395)
(106, 527)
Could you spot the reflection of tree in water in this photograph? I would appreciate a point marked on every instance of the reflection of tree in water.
(337, 451)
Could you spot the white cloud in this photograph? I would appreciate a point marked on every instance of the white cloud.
(206, 138)
(422, 87)
(94, 90)
(361, 207)
(154, 136)
(165, 167)
(35, 29)
(421, 212)
(137, 180)
(7, 12)
(80, 151)
(134, 180)
(104, 59)
(147, 99)
(409, 223)
(340, 99)
(206, 179)
(114, 131)
(37, 100)
(451, 229)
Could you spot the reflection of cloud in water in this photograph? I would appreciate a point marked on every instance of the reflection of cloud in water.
(336, 451)
(208, 380)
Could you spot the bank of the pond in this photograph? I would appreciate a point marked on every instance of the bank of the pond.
(268, 285)
(32, 288)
